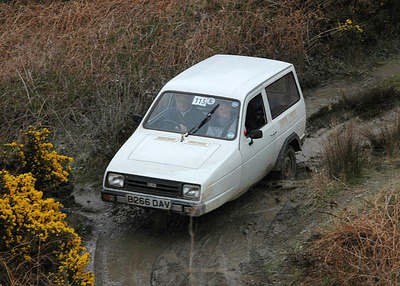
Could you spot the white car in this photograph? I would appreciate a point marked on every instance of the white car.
(212, 132)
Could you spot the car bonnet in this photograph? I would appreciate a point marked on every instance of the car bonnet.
(190, 153)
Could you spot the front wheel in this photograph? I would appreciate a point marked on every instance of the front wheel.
(288, 164)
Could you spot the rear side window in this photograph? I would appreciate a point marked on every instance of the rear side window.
(255, 114)
(282, 94)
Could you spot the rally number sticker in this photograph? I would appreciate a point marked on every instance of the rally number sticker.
(203, 101)
(199, 100)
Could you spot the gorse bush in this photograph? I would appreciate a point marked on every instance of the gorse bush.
(36, 246)
(35, 237)
(356, 24)
(343, 154)
(35, 155)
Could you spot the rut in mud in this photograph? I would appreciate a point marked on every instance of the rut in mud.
(241, 243)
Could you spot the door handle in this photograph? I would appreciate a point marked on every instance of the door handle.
(273, 133)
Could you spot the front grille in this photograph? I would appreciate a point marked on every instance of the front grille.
(153, 186)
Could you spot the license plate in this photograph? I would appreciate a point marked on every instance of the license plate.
(148, 202)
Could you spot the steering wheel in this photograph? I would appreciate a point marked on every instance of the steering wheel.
(169, 124)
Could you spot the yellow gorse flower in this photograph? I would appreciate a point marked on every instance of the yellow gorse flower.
(32, 227)
(348, 26)
(37, 156)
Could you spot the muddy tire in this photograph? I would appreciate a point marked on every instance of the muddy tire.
(288, 164)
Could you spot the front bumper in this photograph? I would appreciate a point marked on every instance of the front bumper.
(181, 206)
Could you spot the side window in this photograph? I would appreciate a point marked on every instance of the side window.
(282, 94)
(255, 114)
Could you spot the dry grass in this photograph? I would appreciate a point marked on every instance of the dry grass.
(83, 68)
(16, 271)
(371, 103)
(387, 139)
(368, 104)
(343, 153)
(88, 36)
(363, 248)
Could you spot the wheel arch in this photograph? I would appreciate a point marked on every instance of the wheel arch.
(292, 140)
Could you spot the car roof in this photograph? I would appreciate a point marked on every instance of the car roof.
(226, 75)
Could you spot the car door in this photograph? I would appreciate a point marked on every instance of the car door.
(258, 155)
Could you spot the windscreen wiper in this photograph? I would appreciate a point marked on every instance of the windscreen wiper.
(204, 121)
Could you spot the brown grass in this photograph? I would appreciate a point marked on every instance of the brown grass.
(88, 35)
(343, 153)
(16, 271)
(363, 248)
(83, 68)
(387, 139)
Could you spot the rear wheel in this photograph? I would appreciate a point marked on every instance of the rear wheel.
(288, 164)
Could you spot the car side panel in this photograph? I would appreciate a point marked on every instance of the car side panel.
(222, 186)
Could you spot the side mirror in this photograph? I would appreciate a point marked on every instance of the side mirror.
(137, 118)
(255, 134)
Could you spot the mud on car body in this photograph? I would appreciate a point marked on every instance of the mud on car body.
(212, 132)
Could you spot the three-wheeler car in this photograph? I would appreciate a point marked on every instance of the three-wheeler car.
(212, 132)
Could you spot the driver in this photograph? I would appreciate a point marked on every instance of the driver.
(183, 113)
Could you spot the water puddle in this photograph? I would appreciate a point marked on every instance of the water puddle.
(126, 258)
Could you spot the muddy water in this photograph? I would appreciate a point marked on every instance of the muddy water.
(132, 247)
(127, 257)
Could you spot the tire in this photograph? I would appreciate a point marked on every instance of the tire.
(288, 164)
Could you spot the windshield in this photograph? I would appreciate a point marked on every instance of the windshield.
(181, 113)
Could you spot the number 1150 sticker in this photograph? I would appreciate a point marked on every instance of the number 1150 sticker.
(203, 101)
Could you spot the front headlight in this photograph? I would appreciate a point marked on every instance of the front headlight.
(191, 191)
(115, 180)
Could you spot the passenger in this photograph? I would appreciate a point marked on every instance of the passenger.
(183, 113)
(223, 123)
